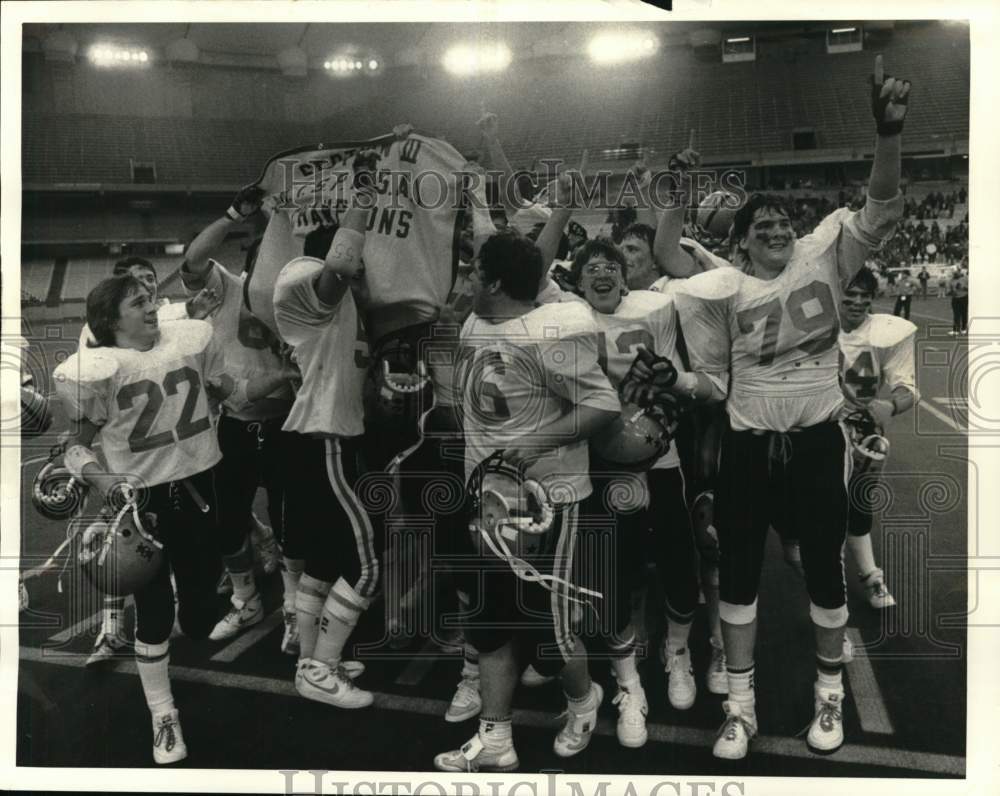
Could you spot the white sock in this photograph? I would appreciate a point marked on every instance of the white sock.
(830, 675)
(625, 670)
(291, 571)
(240, 568)
(153, 661)
(112, 614)
(341, 611)
(309, 601)
(496, 734)
(470, 666)
(864, 556)
(741, 689)
(677, 635)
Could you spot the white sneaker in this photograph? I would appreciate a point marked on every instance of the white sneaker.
(353, 669)
(290, 638)
(317, 681)
(574, 737)
(108, 646)
(681, 686)
(532, 679)
(717, 678)
(733, 741)
(474, 757)
(467, 701)
(876, 592)
(168, 740)
(241, 616)
(826, 733)
(632, 711)
(265, 546)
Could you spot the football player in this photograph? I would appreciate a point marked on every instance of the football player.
(629, 321)
(144, 390)
(317, 316)
(876, 352)
(532, 389)
(111, 638)
(764, 336)
(251, 440)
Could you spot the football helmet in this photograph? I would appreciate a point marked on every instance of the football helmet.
(116, 552)
(868, 443)
(56, 493)
(36, 416)
(636, 439)
(511, 516)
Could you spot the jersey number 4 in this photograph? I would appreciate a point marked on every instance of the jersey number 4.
(140, 440)
(861, 376)
(824, 321)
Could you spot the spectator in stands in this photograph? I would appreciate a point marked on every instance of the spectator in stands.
(923, 277)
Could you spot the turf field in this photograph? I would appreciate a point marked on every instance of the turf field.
(239, 708)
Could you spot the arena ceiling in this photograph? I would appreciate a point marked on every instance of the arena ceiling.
(402, 43)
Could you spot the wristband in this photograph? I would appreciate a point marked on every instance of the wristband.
(234, 215)
(77, 457)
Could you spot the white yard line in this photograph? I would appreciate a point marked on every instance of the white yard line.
(864, 688)
(248, 638)
(927, 406)
(862, 754)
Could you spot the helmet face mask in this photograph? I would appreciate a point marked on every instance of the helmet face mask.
(117, 553)
(869, 446)
(55, 493)
(510, 514)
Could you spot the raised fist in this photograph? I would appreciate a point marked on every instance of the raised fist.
(890, 97)
(203, 304)
(246, 202)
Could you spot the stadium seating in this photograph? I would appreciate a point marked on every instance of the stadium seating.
(549, 108)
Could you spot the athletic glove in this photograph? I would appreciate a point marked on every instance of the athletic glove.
(246, 202)
(890, 96)
(648, 377)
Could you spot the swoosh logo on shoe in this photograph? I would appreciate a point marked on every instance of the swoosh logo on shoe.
(334, 690)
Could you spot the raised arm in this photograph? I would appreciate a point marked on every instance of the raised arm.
(344, 256)
(561, 199)
(668, 255)
(489, 126)
(197, 264)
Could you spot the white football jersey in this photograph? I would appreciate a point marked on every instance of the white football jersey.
(441, 351)
(773, 343)
(251, 348)
(152, 406)
(643, 318)
(519, 375)
(880, 352)
(330, 348)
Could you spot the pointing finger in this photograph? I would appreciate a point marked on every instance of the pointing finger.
(584, 160)
(879, 70)
(691, 139)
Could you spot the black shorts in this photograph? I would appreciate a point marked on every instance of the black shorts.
(505, 608)
(189, 537)
(669, 519)
(863, 488)
(253, 454)
(611, 553)
(797, 481)
(344, 536)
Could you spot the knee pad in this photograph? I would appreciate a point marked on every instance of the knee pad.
(830, 618)
(737, 614)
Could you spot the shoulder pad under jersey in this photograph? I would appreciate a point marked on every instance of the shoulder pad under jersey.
(889, 330)
(718, 284)
(185, 337)
(641, 303)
